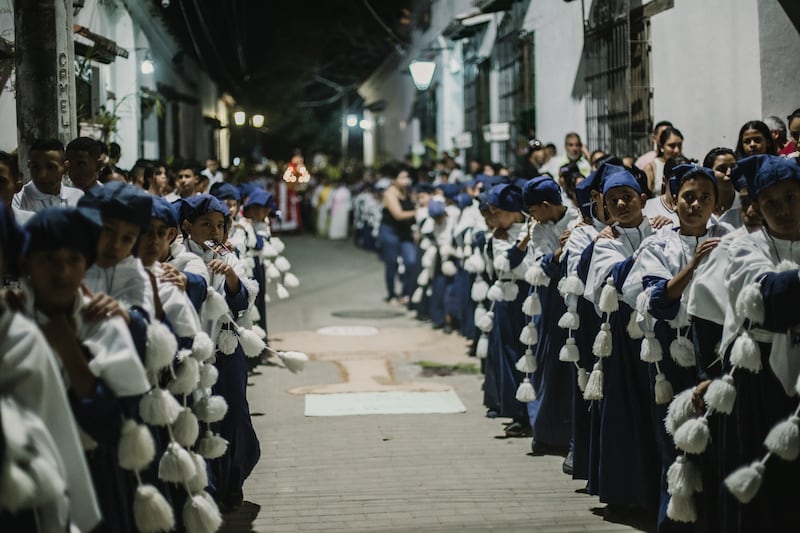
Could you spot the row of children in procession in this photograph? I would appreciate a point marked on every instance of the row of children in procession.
(653, 340)
(127, 329)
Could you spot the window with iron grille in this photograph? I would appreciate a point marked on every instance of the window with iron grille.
(619, 95)
(476, 97)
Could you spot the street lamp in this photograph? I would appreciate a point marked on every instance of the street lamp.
(239, 118)
(352, 121)
(258, 120)
(147, 66)
(422, 73)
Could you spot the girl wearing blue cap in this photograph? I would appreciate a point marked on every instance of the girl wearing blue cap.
(509, 258)
(658, 287)
(104, 372)
(618, 384)
(550, 413)
(33, 392)
(204, 222)
(762, 355)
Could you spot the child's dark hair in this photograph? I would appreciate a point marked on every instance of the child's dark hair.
(672, 162)
(11, 161)
(47, 145)
(714, 153)
(85, 144)
(760, 127)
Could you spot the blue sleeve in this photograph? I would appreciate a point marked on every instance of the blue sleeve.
(515, 256)
(620, 271)
(138, 328)
(259, 241)
(585, 262)
(550, 267)
(238, 301)
(781, 292)
(196, 289)
(479, 240)
(660, 306)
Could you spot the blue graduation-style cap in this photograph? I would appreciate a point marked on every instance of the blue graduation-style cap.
(424, 188)
(762, 171)
(483, 201)
(506, 197)
(620, 178)
(436, 209)
(520, 182)
(463, 200)
(262, 198)
(226, 191)
(247, 188)
(13, 239)
(120, 201)
(683, 172)
(541, 189)
(450, 190)
(73, 228)
(201, 204)
(164, 211)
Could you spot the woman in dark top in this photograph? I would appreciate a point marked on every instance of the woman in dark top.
(396, 237)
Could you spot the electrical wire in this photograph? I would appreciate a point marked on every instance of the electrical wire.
(383, 25)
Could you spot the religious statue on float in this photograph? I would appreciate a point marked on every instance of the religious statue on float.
(295, 178)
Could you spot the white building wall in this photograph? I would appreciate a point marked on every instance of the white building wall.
(706, 71)
(558, 47)
(450, 115)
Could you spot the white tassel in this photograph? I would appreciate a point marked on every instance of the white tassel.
(186, 428)
(495, 293)
(268, 251)
(650, 352)
(583, 379)
(486, 323)
(201, 515)
(746, 353)
(663, 389)
(271, 272)
(291, 281)
(797, 385)
(446, 250)
(212, 446)
(784, 439)
(482, 348)
(208, 375)
(202, 347)
(569, 320)
(294, 361)
(475, 264)
(277, 243)
(425, 244)
(176, 465)
(786, 265)
(693, 435)
(750, 304)
(745, 481)
(136, 448)
(480, 312)
(428, 258)
(152, 513)
(282, 264)
(681, 350)
(249, 263)
(252, 345)
(19, 488)
(501, 263)
(210, 409)
(227, 341)
(254, 314)
(479, 290)
(683, 477)
(529, 336)
(594, 386)
(602, 342)
(186, 377)
(215, 305)
(424, 278)
(416, 296)
(634, 331)
(569, 352)
(527, 363)
(525, 392)
(572, 285)
(535, 276)
(510, 291)
(608, 302)
(682, 509)
(721, 394)
(532, 306)
(258, 330)
(449, 269)
(679, 411)
(161, 347)
(200, 479)
(159, 408)
(281, 291)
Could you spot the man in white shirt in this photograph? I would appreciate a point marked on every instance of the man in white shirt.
(213, 173)
(573, 154)
(47, 167)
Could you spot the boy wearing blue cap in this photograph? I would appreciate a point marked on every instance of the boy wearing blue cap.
(550, 412)
(621, 423)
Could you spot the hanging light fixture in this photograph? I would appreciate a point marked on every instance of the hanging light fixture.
(239, 118)
(147, 66)
(258, 120)
(422, 73)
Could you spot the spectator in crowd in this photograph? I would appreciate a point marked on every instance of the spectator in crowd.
(670, 144)
(754, 139)
(645, 159)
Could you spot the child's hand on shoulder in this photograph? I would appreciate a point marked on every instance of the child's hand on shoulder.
(102, 306)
